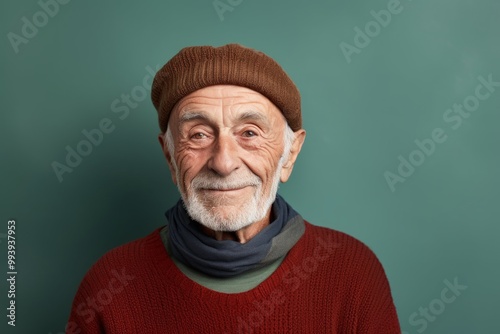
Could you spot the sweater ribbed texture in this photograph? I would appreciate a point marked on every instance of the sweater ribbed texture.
(328, 283)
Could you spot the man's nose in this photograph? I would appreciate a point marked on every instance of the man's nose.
(225, 156)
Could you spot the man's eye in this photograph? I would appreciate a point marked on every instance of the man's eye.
(249, 133)
(199, 135)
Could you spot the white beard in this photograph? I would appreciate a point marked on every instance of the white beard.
(236, 217)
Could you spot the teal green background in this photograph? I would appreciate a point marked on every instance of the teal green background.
(442, 223)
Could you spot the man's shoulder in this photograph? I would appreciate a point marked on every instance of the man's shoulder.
(339, 243)
(343, 258)
(330, 233)
(135, 250)
(140, 253)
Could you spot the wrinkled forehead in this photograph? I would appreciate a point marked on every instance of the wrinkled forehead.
(232, 101)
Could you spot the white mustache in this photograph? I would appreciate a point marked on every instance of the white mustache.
(217, 183)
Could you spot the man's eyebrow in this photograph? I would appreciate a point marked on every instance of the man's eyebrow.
(191, 115)
(250, 115)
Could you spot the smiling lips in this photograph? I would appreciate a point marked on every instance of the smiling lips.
(224, 190)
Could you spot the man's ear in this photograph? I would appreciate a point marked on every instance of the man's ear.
(286, 169)
(164, 147)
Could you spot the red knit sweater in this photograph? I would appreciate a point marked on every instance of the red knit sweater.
(328, 283)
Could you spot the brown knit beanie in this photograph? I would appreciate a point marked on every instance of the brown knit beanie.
(197, 67)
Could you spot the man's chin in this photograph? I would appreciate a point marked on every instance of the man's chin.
(225, 221)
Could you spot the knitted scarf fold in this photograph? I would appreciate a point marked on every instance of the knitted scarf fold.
(226, 258)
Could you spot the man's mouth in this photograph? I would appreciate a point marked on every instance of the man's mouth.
(224, 189)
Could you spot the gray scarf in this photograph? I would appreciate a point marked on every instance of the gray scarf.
(226, 258)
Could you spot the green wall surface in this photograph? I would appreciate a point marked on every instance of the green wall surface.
(400, 101)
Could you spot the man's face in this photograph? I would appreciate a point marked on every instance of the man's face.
(228, 155)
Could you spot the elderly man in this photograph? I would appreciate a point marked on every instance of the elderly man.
(234, 257)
